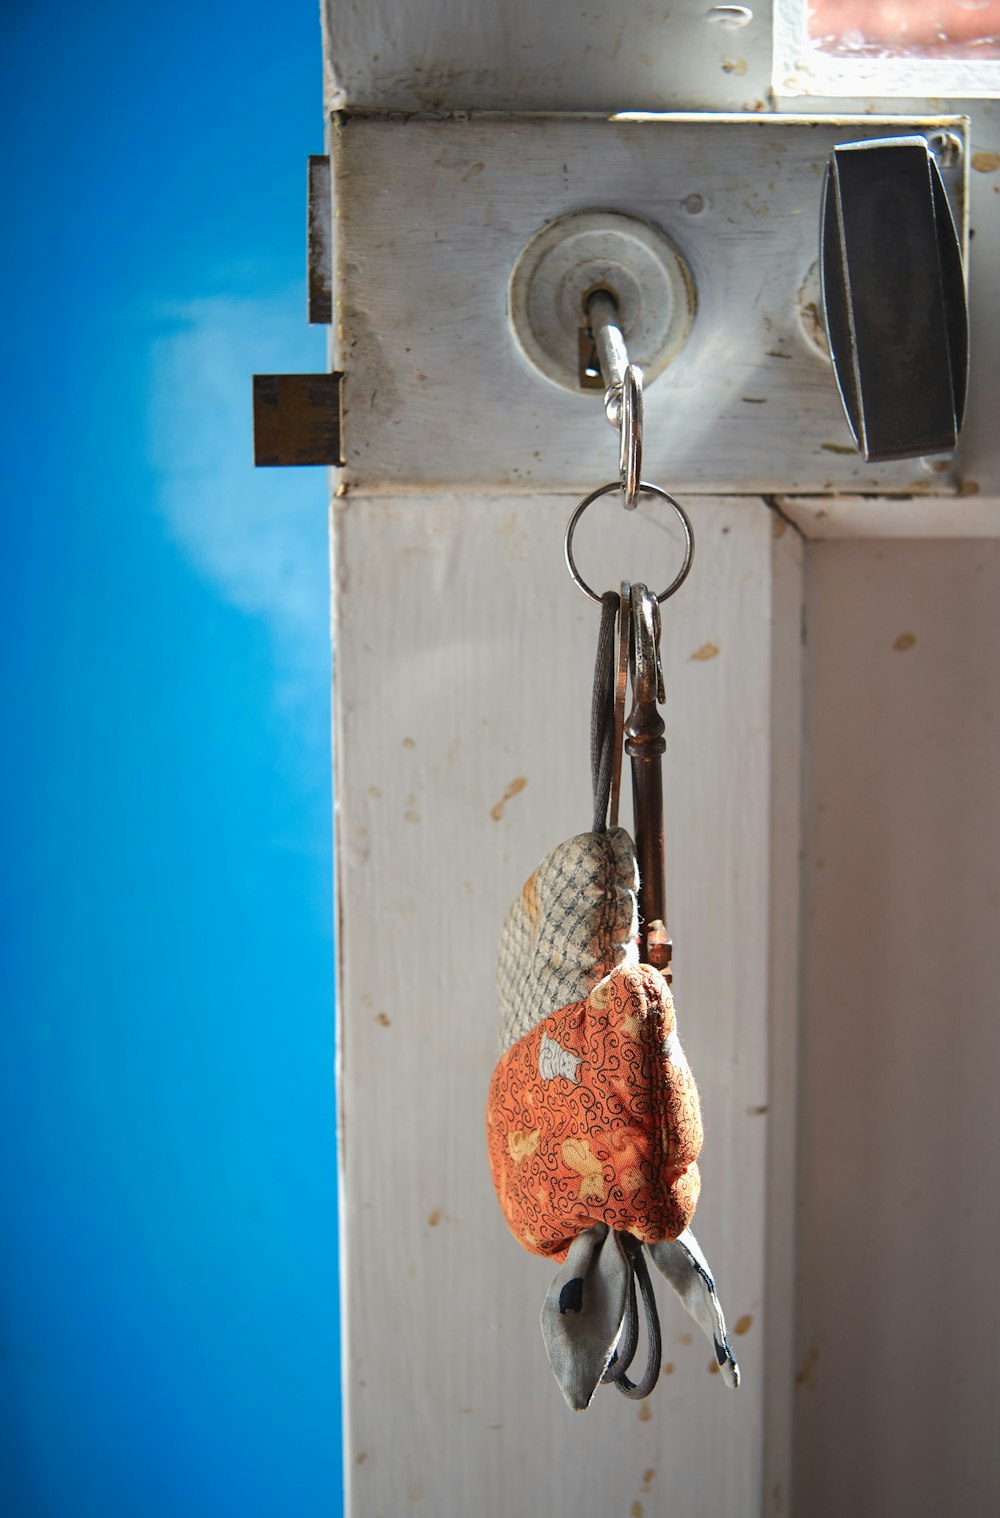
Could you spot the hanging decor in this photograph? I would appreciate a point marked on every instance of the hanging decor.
(593, 1118)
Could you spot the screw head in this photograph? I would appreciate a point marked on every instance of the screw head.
(946, 147)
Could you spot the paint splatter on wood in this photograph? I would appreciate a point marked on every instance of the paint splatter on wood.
(807, 1370)
(514, 789)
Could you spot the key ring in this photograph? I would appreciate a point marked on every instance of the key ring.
(629, 412)
(650, 489)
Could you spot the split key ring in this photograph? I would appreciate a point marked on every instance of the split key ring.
(649, 489)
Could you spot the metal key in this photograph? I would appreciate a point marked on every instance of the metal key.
(645, 745)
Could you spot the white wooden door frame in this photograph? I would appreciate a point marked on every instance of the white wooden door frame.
(463, 673)
(462, 686)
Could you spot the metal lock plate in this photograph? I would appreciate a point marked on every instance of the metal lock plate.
(599, 250)
(296, 419)
(433, 217)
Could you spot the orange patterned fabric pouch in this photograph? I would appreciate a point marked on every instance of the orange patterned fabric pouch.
(593, 1121)
(593, 1117)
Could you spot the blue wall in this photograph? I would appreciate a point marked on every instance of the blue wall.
(168, 1280)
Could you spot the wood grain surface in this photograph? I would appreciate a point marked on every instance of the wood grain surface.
(463, 668)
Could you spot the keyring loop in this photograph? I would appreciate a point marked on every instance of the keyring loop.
(644, 485)
(630, 436)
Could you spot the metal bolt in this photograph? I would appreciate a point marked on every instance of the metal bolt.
(946, 147)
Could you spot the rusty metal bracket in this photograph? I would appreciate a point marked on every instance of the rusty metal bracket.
(319, 241)
(297, 418)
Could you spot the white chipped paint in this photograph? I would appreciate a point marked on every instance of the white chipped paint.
(562, 55)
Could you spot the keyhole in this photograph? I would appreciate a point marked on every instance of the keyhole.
(588, 363)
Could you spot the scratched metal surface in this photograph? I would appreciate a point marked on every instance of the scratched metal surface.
(438, 393)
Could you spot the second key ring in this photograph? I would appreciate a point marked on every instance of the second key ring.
(649, 489)
(630, 437)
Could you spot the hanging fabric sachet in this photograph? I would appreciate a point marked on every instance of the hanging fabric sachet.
(593, 1119)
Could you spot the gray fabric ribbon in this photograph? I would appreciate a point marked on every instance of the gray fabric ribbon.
(584, 1308)
(686, 1268)
(583, 1312)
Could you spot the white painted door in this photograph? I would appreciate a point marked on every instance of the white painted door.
(844, 1050)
